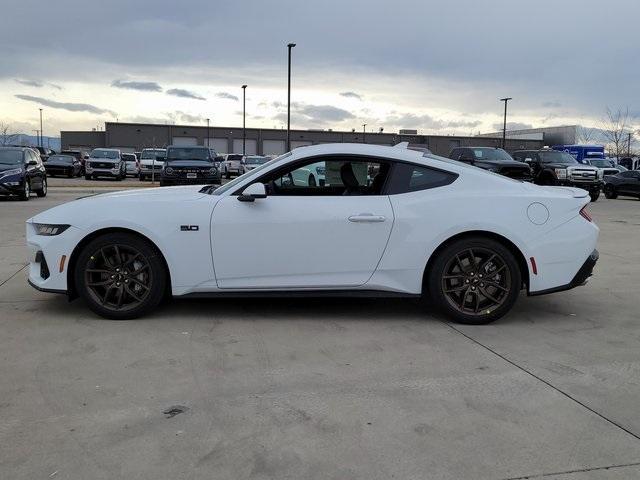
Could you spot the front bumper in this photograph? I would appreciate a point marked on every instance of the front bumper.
(47, 269)
(100, 172)
(12, 188)
(579, 279)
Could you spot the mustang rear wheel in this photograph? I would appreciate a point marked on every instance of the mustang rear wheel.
(121, 276)
(474, 280)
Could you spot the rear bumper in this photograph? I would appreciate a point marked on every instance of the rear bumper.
(579, 279)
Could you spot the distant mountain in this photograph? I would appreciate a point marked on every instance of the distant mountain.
(31, 140)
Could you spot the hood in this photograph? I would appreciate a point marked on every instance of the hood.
(501, 164)
(4, 166)
(573, 165)
(58, 163)
(83, 210)
(189, 163)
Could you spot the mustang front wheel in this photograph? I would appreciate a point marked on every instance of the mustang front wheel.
(121, 276)
(474, 280)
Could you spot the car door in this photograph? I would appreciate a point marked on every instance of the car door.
(304, 236)
(633, 183)
(33, 169)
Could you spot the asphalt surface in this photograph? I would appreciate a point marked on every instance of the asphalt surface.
(321, 389)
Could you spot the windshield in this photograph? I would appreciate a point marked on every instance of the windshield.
(110, 154)
(10, 157)
(241, 178)
(493, 154)
(600, 163)
(152, 154)
(187, 153)
(127, 157)
(256, 160)
(234, 157)
(61, 159)
(553, 156)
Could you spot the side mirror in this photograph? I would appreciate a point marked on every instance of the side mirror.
(253, 191)
(32, 162)
(528, 160)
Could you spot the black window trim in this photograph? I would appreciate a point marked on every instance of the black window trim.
(392, 161)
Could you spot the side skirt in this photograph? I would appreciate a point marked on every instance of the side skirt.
(301, 294)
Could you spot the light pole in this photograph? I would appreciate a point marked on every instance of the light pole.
(504, 125)
(41, 142)
(364, 133)
(244, 112)
(208, 135)
(289, 46)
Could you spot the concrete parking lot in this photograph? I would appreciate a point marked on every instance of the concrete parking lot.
(321, 389)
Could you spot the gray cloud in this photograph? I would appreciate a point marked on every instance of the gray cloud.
(29, 83)
(72, 107)
(512, 126)
(133, 85)
(551, 104)
(189, 118)
(180, 92)
(322, 113)
(227, 96)
(351, 95)
(56, 86)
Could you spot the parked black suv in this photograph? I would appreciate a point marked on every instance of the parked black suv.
(492, 159)
(552, 167)
(190, 166)
(22, 172)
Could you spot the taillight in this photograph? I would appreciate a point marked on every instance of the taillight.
(585, 214)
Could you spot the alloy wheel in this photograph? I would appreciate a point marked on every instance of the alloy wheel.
(476, 281)
(118, 277)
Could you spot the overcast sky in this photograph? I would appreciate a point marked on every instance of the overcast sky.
(436, 66)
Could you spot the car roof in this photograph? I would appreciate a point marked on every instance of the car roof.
(387, 151)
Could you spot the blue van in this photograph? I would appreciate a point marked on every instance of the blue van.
(582, 153)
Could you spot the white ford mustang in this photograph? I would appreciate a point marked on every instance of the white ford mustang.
(386, 221)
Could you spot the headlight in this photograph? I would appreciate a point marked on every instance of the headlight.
(561, 173)
(168, 171)
(49, 230)
(600, 174)
(13, 171)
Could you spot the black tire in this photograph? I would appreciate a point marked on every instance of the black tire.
(87, 177)
(95, 270)
(43, 190)
(594, 194)
(26, 191)
(228, 176)
(491, 283)
(141, 177)
(610, 192)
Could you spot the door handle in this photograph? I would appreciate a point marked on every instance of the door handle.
(366, 218)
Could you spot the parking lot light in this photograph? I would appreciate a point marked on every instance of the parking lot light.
(504, 126)
(289, 46)
(244, 105)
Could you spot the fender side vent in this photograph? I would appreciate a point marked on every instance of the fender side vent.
(44, 268)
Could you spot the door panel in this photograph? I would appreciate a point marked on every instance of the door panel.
(299, 241)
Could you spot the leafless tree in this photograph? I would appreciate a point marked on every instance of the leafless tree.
(616, 129)
(6, 137)
(586, 134)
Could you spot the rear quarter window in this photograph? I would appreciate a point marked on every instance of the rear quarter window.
(407, 177)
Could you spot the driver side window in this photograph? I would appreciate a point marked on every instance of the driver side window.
(331, 175)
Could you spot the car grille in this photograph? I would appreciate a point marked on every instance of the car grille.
(519, 173)
(582, 175)
(102, 165)
(183, 172)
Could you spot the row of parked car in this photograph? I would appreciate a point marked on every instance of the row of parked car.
(175, 165)
(548, 167)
